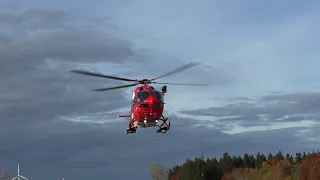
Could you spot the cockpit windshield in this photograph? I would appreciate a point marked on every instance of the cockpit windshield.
(143, 95)
(157, 95)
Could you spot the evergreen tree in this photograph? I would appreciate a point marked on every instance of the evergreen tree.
(236, 162)
(258, 161)
(170, 174)
(246, 161)
(291, 159)
(240, 162)
(212, 170)
(226, 162)
(304, 155)
(263, 157)
(252, 162)
(270, 157)
(298, 157)
(279, 156)
(287, 156)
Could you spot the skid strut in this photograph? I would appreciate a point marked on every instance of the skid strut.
(165, 126)
(131, 129)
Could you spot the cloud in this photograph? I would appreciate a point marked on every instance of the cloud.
(34, 74)
(70, 43)
(34, 18)
(270, 111)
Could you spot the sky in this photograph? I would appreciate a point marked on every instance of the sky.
(259, 57)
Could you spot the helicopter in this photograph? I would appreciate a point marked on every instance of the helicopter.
(147, 103)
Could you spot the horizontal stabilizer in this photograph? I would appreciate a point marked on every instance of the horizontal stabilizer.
(123, 115)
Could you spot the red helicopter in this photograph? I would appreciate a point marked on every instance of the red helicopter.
(147, 103)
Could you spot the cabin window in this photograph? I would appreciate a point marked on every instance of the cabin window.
(157, 95)
(143, 95)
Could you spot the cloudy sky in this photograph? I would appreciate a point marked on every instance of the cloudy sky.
(260, 58)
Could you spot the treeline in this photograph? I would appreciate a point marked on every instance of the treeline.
(301, 166)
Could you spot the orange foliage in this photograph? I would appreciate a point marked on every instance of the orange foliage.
(310, 168)
(283, 170)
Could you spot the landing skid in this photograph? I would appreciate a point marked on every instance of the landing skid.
(164, 127)
(131, 130)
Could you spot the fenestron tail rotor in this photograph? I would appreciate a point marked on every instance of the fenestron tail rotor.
(143, 81)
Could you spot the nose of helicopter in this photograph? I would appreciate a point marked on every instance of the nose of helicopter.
(151, 110)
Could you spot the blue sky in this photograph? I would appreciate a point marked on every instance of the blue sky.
(260, 58)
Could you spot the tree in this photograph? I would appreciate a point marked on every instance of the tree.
(304, 155)
(310, 167)
(158, 172)
(270, 157)
(226, 162)
(246, 160)
(298, 157)
(252, 162)
(263, 157)
(279, 156)
(287, 156)
(258, 161)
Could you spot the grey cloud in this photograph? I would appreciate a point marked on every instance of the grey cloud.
(52, 94)
(273, 108)
(65, 41)
(77, 46)
(33, 90)
(34, 19)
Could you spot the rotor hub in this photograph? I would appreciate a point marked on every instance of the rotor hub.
(144, 81)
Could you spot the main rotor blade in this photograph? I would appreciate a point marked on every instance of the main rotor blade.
(116, 87)
(101, 75)
(181, 68)
(183, 84)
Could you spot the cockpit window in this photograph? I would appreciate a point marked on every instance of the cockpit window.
(143, 95)
(158, 95)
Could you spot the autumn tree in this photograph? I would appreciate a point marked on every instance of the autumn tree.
(158, 172)
(310, 167)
